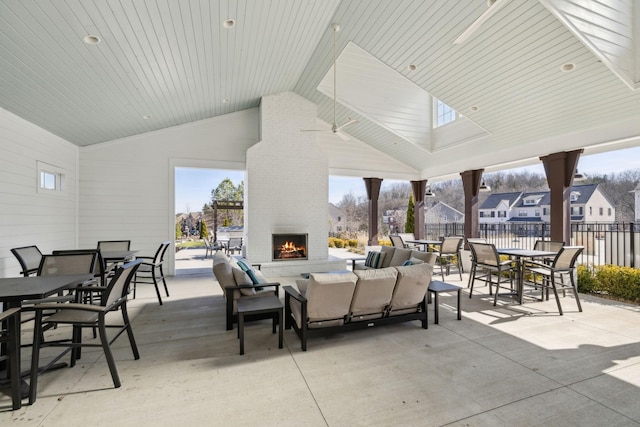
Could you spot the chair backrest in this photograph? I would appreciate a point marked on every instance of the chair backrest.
(62, 264)
(114, 245)
(98, 265)
(118, 286)
(29, 258)
(396, 241)
(548, 245)
(566, 258)
(159, 256)
(451, 245)
(235, 242)
(485, 253)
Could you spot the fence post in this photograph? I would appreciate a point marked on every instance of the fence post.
(632, 245)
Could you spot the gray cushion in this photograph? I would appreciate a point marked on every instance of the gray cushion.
(388, 254)
(242, 278)
(399, 256)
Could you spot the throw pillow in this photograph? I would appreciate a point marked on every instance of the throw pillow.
(242, 278)
(243, 265)
(407, 262)
(248, 268)
(372, 259)
(415, 261)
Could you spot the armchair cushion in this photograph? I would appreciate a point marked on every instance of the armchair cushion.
(329, 296)
(399, 256)
(242, 278)
(388, 254)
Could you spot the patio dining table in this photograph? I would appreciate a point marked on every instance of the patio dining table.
(425, 243)
(15, 290)
(520, 254)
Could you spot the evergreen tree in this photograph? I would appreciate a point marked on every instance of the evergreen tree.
(409, 225)
(204, 232)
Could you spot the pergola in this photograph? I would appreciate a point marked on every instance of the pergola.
(226, 205)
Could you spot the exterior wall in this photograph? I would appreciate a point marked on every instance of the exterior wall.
(127, 186)
(597, 201)
(287, 183)
(30, 217)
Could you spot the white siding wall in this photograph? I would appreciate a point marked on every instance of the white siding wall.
(127, 186)
(26, 216)
(597, 201)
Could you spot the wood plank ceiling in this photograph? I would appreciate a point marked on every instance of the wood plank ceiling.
(177, 62)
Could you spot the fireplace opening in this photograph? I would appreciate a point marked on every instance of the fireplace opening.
(289, 247)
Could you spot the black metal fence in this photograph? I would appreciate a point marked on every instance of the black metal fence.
(604, 243)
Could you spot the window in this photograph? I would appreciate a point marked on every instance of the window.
(522, 213)
(545, 211)
(50, 178)
(502, 214)
(481, 214)
(609, 211)
(445, 114)
(574, 196)
(601, 211)
(493, 214)
(537, 212)
(590, 210)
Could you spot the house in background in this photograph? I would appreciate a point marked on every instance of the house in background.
(589, 203)
(636, 191)
(442, 213)
(337, 219)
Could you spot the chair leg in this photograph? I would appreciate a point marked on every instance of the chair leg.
(135, 281)
(155, 283)
(35, 357)
(555, 292)
(107, 351)
(166, 290)
(132, 340)
(575, 291)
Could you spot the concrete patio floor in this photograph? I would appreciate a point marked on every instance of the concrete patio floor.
(507, 365)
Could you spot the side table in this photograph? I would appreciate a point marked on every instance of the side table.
(435, 287)
(260, 305)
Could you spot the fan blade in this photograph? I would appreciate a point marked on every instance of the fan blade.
(495, 6)
(348, 123)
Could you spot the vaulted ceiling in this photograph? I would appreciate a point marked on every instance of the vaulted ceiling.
(163, 63)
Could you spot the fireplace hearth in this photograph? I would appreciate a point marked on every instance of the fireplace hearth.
(288, 247)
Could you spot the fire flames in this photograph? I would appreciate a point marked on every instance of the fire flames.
(290, 247)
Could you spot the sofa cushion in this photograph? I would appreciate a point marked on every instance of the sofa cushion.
(411, 286)
(388, 254)
(329, 295)
(426, 257)
(399, 256)
(242, 278)
(373, 293)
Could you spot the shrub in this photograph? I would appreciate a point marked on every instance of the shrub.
(352, 243)
(611, 280)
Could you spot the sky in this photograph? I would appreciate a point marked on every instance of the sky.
(193, 185)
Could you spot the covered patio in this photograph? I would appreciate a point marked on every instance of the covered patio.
(505, 365)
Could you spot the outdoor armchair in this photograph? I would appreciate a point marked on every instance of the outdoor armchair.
(487, 263)
(449, 255)
(234, 244)
(29, 258)
(150, 271)
(78, 315)
(553, 275)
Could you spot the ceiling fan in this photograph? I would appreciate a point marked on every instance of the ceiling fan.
(492, 7)
(335, 128)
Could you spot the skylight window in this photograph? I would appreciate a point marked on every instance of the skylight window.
(444, 113)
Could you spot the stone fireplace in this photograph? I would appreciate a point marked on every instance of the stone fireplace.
(288, 247)
(286, 188)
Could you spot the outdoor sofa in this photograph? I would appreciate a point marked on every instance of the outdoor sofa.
(390, 256)
(337, 301)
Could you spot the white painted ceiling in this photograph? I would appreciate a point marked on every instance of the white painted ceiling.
(175, 60)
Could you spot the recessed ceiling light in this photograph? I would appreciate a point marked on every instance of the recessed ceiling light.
(567, 67)
(147, 117)
(226, 100)
(91, 39)
(412, 67)
(474, 108)
(228, 23)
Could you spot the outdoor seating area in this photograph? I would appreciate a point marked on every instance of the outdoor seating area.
(509, 364)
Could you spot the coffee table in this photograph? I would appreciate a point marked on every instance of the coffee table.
(260, 305)
(435, 287)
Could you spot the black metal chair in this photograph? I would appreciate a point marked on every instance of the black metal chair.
(79, 315)
(9, 330)
(487, 262)
(553, 275)
(150, 271)
(449, 255)
(29, 258)
(113, 245)
(234, 244)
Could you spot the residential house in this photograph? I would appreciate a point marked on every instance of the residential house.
(337, 219)
(442, 213)
(589, 203)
